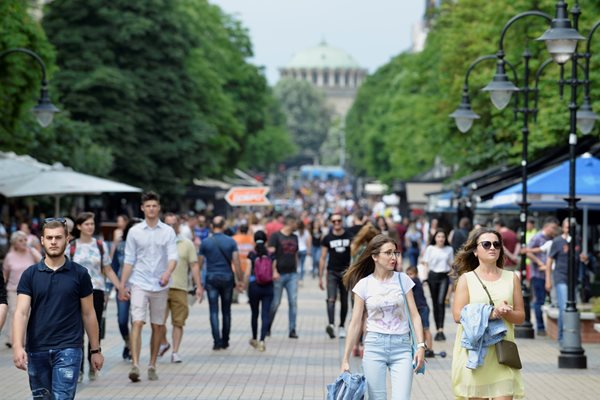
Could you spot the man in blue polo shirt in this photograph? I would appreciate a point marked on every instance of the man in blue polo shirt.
(54, 304)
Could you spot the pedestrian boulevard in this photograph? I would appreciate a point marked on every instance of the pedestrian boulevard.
(289, 369)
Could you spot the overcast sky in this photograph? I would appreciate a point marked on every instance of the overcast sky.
(371, 31)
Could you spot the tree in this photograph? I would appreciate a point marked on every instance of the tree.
(399, 121)
(307, 116)
(165, 85)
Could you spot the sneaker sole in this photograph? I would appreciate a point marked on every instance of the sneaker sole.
(330, 332)
(134, 377)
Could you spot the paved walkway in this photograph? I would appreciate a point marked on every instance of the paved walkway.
(289, 369)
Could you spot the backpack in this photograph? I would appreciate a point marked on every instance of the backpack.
(263, 270)
(73, 247)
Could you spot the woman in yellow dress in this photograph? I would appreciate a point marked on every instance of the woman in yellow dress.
(483, 254)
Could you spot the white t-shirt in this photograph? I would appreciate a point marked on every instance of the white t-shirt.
(385, 303)
(439, 259)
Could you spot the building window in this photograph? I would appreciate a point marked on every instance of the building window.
(325, 78)
(336, 79)
(314, 77)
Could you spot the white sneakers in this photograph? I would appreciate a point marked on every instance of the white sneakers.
(341, 332)
(175, 358)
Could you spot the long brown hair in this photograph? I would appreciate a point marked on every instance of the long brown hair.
(466, 260)
(364, 235)
(365, 264)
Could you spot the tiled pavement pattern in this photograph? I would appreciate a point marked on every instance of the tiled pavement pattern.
(289, 369)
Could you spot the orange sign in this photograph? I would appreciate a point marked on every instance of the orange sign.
(248, 196)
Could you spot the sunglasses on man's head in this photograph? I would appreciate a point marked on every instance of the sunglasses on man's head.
(486, 244)
(58, 219)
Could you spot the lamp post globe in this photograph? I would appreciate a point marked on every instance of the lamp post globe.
(464, 115)
(586, 118)
(500, 88)
(561, 39)
(44, 110)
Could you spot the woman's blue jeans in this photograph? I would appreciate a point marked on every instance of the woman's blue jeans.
(220, 286)
(53, 374)
(302, 258)
(385, 352)
(316, 256)
(123, 318)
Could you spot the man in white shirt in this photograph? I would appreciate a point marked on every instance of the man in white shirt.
(150, 259)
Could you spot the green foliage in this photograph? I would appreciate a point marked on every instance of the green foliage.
(399, 121)
(307, 116)
(20, 75)
(165, 87)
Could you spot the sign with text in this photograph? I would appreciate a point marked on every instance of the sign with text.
(248, 196)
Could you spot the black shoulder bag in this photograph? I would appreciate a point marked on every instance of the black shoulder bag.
(506, 351)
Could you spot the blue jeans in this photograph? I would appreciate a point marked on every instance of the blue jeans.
(561, 299)
(53, 374)
(539, 293)
(260, 294)
(413, 256)
(123, 318)
(316, 256)
(383, 352)
(220, 286)
(302, 258)
(288, 281)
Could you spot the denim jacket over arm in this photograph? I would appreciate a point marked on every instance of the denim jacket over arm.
(479, 332)
(347, 386)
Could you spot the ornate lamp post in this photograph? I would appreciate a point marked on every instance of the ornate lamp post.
(44, 110)
(561, 40)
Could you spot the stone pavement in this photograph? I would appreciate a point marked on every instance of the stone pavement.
(289, 369)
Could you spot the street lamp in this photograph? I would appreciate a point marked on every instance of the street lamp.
(44, 110)
(561, 39)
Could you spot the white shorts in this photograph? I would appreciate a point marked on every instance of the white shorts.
(141, 299)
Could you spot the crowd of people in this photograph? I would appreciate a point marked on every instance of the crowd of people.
(379, 268)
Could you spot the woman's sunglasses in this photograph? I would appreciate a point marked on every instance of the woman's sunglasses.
(486, 244)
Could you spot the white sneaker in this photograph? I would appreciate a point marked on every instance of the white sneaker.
(175, 358)
(341, 332)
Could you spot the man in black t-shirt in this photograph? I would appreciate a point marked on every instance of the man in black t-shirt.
(284, 244)
(54, 306)
(336, 245)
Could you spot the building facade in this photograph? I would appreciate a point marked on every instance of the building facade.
(331, 70)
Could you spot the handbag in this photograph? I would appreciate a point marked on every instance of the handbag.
(507, 352)
(413, 338)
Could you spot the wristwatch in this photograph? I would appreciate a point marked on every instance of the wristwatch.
(423, 345)
(96, 351)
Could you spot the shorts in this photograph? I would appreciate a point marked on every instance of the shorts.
(177, 303)
(141, 299)
(424, 313)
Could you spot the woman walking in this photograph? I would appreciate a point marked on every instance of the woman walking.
(260, 294)
(439, 257)
(92, 254)
(304, 245)
(377, 286)
(18, 259)
(316, 231)
(480, 262)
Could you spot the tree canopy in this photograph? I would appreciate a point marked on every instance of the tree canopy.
(152, 93)
(399, 121)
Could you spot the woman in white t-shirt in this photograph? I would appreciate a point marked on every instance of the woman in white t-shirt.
(92, 254)
(375, 283)
(438, 258)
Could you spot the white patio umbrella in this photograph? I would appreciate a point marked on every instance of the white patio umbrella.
(22, 176)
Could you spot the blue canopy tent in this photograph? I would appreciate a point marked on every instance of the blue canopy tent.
(547, 190)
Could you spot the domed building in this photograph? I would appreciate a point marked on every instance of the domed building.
(331, 70)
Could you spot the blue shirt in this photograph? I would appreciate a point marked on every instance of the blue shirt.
(214, 249)
(55, 321)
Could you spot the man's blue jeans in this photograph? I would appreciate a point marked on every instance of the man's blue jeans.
(53, 374)
(561, 299)
(539, 293)
(220, 286)
(288, 281)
